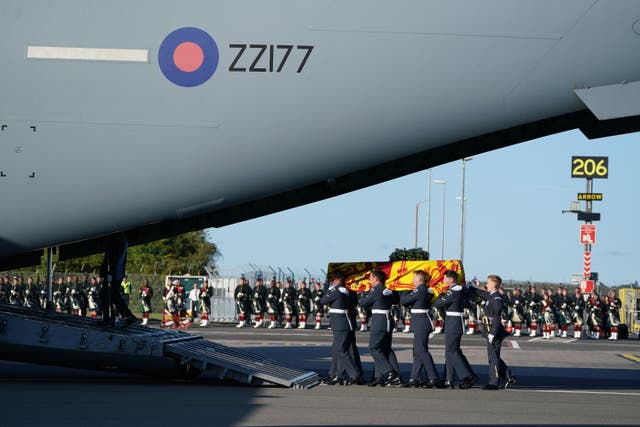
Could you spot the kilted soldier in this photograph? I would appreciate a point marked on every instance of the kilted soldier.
(380, 300)
(363, 314)
(259, 302)
(31, 294)
(318, 308)
(60, 299)
(84, 290)
(405, 313)
(613, 304)
(205, 294)
(563, 311)
(145, 295)
(594, 309)
(75, 298)
(453, 302)
(437, 315)
(43, 297)
(93, 297)
(273, 303)
(170, 299)
(578, 306)
(420, 301)
(532, 307)
(289, 302)
(516, 304)
(243, 296)
(15, 294)
(5, 288)
(303, 303)
(547, 317)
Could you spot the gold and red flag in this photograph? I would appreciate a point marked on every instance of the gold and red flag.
(399, 273)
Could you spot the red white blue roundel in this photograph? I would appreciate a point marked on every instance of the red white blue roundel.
(188, 57)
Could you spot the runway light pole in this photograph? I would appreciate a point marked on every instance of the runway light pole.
(463, 202)
(415, 230)
(428, 211)
(444, 190)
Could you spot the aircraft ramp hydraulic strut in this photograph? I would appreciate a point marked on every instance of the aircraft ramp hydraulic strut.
(45, 337)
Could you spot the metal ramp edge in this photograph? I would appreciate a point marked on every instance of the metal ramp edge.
(239, 365)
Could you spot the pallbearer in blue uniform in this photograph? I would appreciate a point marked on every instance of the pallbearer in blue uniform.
(380, 300)
(344, 369)
(494, 331)
(453, 302)
(422, 326)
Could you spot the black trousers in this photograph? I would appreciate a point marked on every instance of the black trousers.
(422, 359)
(498, 370)
(341, 358)
(455, 360)
(380, 349)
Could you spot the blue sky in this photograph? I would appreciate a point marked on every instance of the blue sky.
(514, 224)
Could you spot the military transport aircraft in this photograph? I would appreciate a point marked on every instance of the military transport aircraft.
(149, 118)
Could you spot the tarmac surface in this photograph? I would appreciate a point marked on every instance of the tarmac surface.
(560, 382)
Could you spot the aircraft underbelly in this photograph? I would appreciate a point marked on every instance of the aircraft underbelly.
(90, 147)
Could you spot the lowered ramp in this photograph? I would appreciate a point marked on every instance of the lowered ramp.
(46, 337)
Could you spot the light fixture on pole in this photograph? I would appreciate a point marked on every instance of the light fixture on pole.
(463, 201)
(444, 190)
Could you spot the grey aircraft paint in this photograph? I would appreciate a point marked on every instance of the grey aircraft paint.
(308, 99)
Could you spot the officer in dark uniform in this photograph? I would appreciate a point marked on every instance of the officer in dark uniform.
(453, 302)
(273, 303)
(243, 296)
(380, 300)
(494, 331)
(422, 326)
(346, 371)
(259, 301)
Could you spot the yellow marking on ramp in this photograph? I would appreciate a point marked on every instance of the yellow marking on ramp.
(630, 356)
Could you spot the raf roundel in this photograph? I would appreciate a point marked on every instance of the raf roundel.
(188, 57)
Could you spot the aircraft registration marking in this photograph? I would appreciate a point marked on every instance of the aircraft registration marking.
(87, 54)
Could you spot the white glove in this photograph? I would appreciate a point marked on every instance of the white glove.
(491, 337)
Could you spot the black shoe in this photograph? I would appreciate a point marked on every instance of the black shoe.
(433, 384)
(332, 381)
(392, 380)
(449, 385)
(469, 381)
(510, 381)
(373, 382)
(490, 387)
(128, 321)
(412, 384)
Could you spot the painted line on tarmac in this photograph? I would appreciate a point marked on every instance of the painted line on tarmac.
(603, 393)
(514, 345)
(568, 341)
(534, 339)
(632, 357)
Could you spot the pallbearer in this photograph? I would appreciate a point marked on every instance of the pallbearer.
(422, 326)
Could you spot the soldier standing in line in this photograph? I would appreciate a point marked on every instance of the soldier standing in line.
(363, 314)
(318, 309)
(84, 290)
(76, 296)
(15, 293)
(93, 297)
(5, 288)
(273, 303)
(303, 303)
(259, 302)
(145, 301)
(594, 308)
(205, 294)
(289, 302)
(532, 303)
(562, 309)
(613, 304)
(453, 302)
(60, 296)
(31, 294)
(380, 300)
(243, 295)
(577, 313)
(422, 326)
(169, 298)
(547, 316)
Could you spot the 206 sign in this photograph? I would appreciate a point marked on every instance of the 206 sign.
(589, 167)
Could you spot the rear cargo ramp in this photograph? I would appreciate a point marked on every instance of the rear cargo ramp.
(239, 365)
